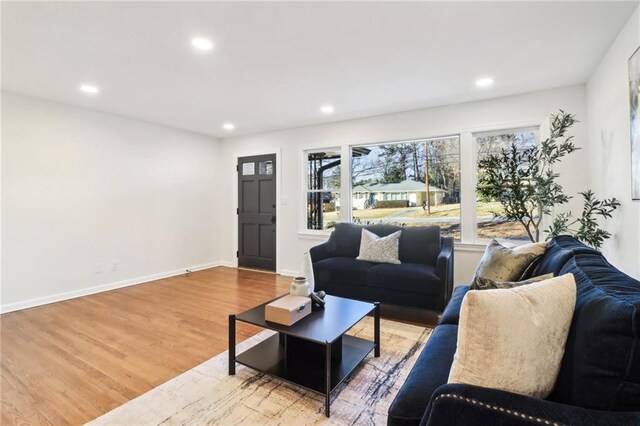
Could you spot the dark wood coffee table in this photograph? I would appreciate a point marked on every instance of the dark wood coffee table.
(315, 352)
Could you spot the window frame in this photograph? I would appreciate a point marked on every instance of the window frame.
(475, 239)
(306, 191)
(406, 141)
(468, 174)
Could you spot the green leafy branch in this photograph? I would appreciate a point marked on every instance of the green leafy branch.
(524, 182)
(587, 229)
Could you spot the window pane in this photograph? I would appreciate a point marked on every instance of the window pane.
(323, 170)
(265, 167)
(389, 185)
(323, 186)
(248, 169)
(323, 209)
(490, 226)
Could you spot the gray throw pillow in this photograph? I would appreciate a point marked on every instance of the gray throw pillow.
(379, 249)
(482, 283)
(501, 263)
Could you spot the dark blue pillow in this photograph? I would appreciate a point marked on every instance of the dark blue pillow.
(345, 240)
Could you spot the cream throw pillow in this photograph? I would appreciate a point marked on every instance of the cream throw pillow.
(513, 339)
(501, 263)
(379, 249)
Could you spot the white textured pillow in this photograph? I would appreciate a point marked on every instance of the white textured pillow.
(513, 339)
(379, 249)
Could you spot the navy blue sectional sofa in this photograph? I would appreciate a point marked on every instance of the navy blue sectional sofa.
(424, 279)
(599, 380)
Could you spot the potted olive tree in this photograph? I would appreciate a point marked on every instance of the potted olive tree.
(525, 184)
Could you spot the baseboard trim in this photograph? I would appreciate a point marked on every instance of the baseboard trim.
(60, 297)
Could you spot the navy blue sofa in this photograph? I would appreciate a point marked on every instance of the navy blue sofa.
(599, 380)
(424, 279)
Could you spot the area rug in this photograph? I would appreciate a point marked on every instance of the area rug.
(207, 395)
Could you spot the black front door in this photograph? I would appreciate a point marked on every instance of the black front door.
(257, 212)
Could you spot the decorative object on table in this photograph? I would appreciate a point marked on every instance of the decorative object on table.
(634, 106)
(482, 283)
(524, 182)
(514, 339)
(500, 263)
(317, 300)
(374, 248)
(287, 310)
(307, 271)
(299, 287)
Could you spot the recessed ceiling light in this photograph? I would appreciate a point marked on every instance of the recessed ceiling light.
(228, 126)
(202, 44)
(484, 82)
(89, 88)
(327, 109)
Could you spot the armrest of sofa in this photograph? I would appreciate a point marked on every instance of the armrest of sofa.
(444, 267)
(321, 251)
(456, 404)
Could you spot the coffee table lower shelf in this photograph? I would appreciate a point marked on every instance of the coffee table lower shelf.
(269, 357)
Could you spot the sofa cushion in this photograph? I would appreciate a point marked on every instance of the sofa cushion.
(601, 364)
(430, 371)
(374, 248)
(559, 251)
(342, 270)
(413, 277)
(344, 240)
(451, 314)
(513, 338)
(501, 263)
(483, 283)
(418, 244)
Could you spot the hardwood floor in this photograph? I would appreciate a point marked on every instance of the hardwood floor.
(69, 362)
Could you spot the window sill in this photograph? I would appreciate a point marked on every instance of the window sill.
(314, 235)
(478, 248)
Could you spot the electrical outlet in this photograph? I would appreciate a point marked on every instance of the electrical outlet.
(115, 265)
(99, 268)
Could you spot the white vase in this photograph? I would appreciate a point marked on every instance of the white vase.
(307, 271)
(300, 287)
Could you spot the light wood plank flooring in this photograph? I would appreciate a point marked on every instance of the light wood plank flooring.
(69, 362)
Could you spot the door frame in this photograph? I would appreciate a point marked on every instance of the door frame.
(235, 205)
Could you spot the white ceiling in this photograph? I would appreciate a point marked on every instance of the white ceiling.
(275, 64)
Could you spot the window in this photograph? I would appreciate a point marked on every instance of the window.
(488, 225)
(389, 184)
(323, 188)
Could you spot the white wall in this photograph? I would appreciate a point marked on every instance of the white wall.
(289, 144)
(82, 188)
(609, 146)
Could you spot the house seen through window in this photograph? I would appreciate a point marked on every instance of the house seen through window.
(413, 183)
